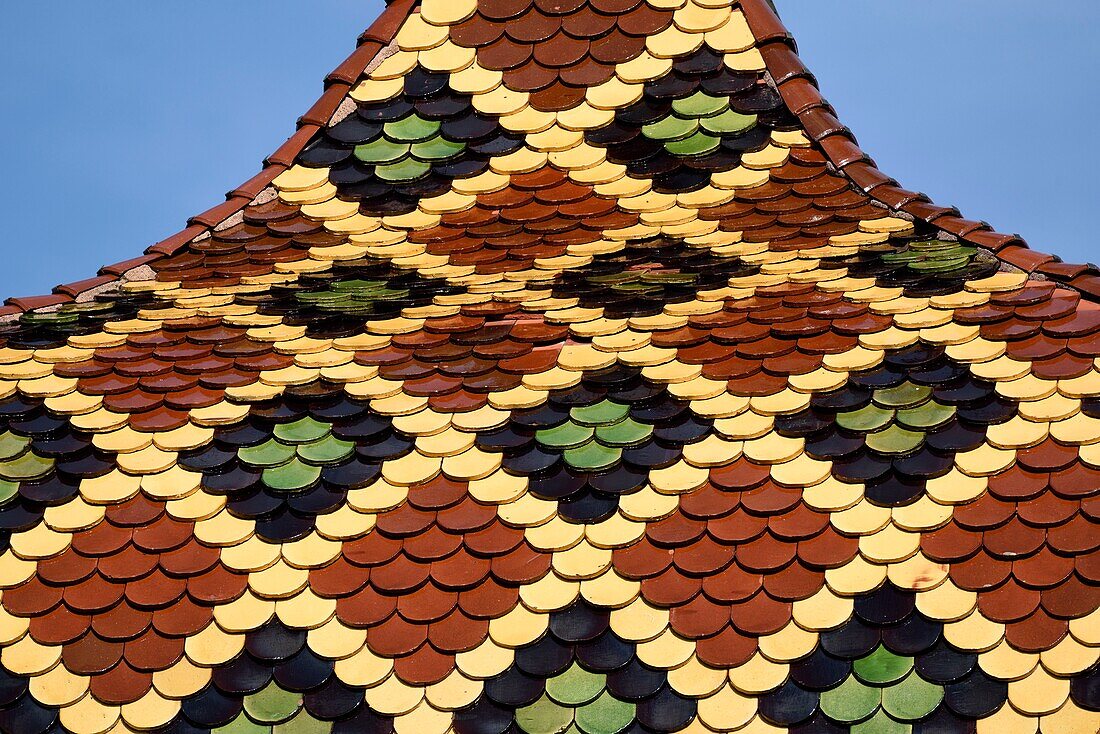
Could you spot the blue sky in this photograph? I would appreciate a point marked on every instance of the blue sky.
(123, 119)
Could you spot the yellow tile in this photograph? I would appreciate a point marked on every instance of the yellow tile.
(832, 495)
(1069, 657)
(556, 535)
(614, 94)
(485, 661)
(305, 610)
(679, 478)
(1003, 281)
(759, 675)
(946, 602)
(1005, 662)
(1038, 693)
(917, 573)
(223, 530)
(424, 719)
(712, 451)
(364, 668)
(518, 627)
(648, 504)
(857, 577)
(454, 692)
(175, 483)
(610, 591)
(801, 471)
(773, 448)
(733, 36)
(345, 524)
(696, 680)
(278, 581)
(39, 542)
(150, 711)
(924, 514)
(27, 657)
(1054, 407)
(956, 488)
(673, 42)
(181, 680)
(115, 487)
(1018, 433)
(73, 516)
(393, 698)
(1007, 721)
(726, 710)
(549, 594)
(197, 506)
(790, 643)
(149, 460)
(665, 651)
(89, 716)
(746, 426)
(643, 68)
(974, 632)
(1071, 720)
(784, 402)
(985, 460)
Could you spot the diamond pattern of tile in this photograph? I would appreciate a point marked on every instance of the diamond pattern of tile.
(569, 371)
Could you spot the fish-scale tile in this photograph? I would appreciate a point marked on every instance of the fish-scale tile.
(571, 372)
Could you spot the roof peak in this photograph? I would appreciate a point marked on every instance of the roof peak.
(629, 28)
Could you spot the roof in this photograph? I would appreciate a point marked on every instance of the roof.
(570, 368)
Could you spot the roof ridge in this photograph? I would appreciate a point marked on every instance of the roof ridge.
(799, 89)
(337, 84)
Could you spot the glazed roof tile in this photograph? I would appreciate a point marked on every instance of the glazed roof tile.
(571, 368)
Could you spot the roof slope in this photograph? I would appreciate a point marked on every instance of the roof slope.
(571, 368)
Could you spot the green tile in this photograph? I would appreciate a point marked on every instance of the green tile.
(905, 395)
(303, 723)
(604, 412)
(544, 716)
(243, 725)
(593, 456)
(880, 723)
(272, 705)
(912, 699)
(868, 418)
(356, 285)
(926, 416)
(850, 701)
(27, 466)
(8, 490)
(576, 686)
(12, 445)
(381, 151)
(882, 667)
(328, 450)
(671, 128)
(303, 430)
(624, 433)
(411, 129)
(292, 476)
(269, 453)
(940, 266)
(729, 123)
(665, 277)
(568, 435)
(700, 104)
(409, 169)
(698, 144)
(895, 440)
(605, 715)
(437, 149)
